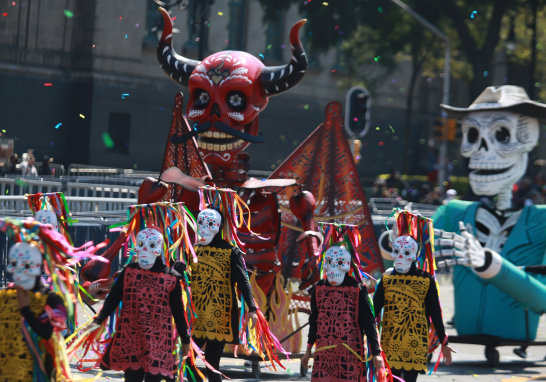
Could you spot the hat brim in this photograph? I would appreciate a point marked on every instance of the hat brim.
(530, 108)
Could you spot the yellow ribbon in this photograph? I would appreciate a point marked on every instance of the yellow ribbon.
(348, 348)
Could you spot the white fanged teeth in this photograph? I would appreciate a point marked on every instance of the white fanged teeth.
(216, 134)
(222, 135)
(230, 146)
(222, 147)
(209, 134)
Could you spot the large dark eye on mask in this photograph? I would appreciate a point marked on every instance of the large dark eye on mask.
(473, 135)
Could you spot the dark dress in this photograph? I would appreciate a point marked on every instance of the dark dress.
(341, 315)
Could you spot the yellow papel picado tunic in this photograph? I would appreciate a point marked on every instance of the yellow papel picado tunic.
(410, 302)
(220, 266)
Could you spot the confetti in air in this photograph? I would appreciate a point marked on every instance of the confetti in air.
(473, 14)
(124, 95)
(48, 84)
(82, 116)
(4, 14)
(391, 128)
(377, 58)
(58, 125)
(107, 139)
(325, 4)
(262, 56)
(220, 13)
(68, 14)
(125, 36)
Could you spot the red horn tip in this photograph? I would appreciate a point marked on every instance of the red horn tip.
(168, 25)
(294, 33)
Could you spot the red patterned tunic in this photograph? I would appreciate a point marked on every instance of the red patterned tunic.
(335, 320)
(145, 335)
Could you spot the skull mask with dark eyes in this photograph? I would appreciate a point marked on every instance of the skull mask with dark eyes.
(227, 91)
(208, 223)
(404, 253)
(149, 246)
(25, 264)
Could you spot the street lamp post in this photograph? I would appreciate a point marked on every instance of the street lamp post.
(445, 98)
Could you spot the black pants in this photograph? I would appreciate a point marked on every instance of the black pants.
(213, 353)
(138, 376)
(408, 376)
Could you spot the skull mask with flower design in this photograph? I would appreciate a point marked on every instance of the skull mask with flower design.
(25, 264)
(149, 246)
(227, 91)
(208, 222)
(404, 253)
(337, 262)
(47, 217)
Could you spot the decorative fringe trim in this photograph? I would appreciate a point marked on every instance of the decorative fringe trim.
(55, 202)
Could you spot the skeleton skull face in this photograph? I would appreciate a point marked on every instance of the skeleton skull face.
(208, 224)
(148, 247)
(47, 217)
(225, 88)
(25, 264)
(337, 262)
(227, 91)
(404, 253)
(497, 144)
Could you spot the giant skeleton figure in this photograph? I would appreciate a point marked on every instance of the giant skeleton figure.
(493, 296)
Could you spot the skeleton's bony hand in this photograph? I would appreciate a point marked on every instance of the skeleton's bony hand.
(465, 248)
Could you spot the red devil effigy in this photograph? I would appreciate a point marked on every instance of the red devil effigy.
(227, 91)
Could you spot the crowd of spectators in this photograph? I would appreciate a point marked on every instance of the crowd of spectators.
(26, 166)
(527, 191)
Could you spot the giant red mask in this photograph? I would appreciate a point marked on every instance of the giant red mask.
(227, 91)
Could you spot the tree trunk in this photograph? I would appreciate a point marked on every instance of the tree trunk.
(416, 67)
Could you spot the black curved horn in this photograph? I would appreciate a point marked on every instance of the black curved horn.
(178, 68)
(278, 79)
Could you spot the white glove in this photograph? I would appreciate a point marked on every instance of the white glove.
(465, 248)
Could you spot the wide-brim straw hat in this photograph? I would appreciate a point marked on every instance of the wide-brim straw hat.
(508, 97)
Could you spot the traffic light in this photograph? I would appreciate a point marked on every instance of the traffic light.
(453, 129)
(357, 111)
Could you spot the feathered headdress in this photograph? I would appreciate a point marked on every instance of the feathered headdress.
(59, 257)
(56, 203)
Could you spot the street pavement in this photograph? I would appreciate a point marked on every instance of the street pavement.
(469, 364)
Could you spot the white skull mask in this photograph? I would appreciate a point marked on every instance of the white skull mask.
(208, 223)
(148, 247)
(497, 143)
(337, 262)
(25, 264)
(404, 253)
(47, 217)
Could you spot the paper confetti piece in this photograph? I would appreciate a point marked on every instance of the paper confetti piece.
(107, 139)
(473, 14)
(325, 4)
(5, 14)
(124, 95)
(125, 36)
(475, 375)
(3, 131)
(262, 56)
(68, 14)
(306, 107)
(377, 58)
(220, 13)
(58, 125)
(391, 128)
(48, 84)
(82, 116)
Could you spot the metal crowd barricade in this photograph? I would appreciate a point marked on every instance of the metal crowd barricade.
(100, 190)
(19, 204)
